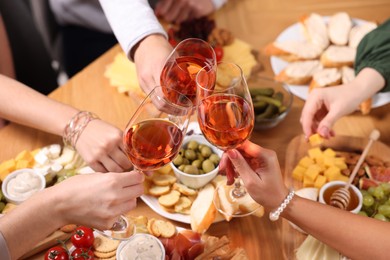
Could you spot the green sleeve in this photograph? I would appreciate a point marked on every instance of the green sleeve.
(374, 52)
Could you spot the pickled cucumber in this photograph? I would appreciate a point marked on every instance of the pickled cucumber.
(262, 92)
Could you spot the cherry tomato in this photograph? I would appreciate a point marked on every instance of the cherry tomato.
(218, 52)
(83, 237)
(82, 254)
(57, 253)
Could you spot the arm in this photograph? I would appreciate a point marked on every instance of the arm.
(100, 144)
(107, 196)
(348, 233)
(324, 106)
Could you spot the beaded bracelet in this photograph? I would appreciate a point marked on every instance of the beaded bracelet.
(76, 126)
(273, 216)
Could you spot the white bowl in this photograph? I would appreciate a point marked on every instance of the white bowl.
(140, 244)
(27, 186)
(340, 183)
(197, 181)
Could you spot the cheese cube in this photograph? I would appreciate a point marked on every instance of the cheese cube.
(342, 177)
(315, 153)
(24, 155)
(329, 152)
(298, 172)
(20, 164)
(306, 161)
(315, 140)
(328, 161)
(320, 181)
(307, 182)
(332, 173)
(339, 162)
(312, 172)
(8, 166)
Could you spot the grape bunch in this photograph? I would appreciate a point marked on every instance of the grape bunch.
(376, 202)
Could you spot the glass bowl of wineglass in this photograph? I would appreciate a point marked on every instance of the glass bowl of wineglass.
(152, 138)
(226, 118)
(183, 64)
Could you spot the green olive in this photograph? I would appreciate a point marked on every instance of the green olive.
(193, 145)
(199, 156)
(190, 154)
(191, 169)
(215, 158)
(181, 167)
(186, 161)
(181, 152)
(206, 151)
(201, 171)
(197, 163)
(208, 165)
(178, 160)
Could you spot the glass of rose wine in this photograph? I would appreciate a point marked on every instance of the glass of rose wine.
(152, 139)
(183, 64)
(226, 119)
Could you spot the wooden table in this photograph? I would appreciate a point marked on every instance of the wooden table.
(257, 22)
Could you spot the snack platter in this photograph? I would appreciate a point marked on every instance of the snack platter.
(296, 149)
(295, 32)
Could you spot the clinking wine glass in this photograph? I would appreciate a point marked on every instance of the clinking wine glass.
(226, 118)
(152, 138)
(183, 64)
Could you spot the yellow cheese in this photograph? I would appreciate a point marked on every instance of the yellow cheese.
(320, 181)
(298, 172)
(312, 172)
(20, 164)
(306, 161)
(329, 152)
(339, 162)
(316, 140)
(332, 173)
(307, 182)
(315, 153)
(24, 155)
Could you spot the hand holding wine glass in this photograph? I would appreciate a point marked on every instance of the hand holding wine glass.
(152, 138)
(226, 118)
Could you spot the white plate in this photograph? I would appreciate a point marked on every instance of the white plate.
(295, 32)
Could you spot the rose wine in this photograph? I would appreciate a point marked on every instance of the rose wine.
(225, 120)
(180, 75)
(151, 144)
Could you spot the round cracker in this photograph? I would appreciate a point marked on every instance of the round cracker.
(104, 244)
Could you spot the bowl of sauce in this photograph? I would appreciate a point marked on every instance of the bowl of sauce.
(356, 201)
(141, 246)
(21, 184)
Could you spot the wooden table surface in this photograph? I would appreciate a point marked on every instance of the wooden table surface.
(257, 22)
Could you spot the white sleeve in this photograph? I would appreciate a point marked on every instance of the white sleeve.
(131, 21)
(4, 253)
(218, 3)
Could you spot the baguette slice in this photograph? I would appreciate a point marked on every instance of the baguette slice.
(358, 32)
(293, 50)
(347, 74)
(339, 26)
(315, 29)
(325, 78)
(299, 72)
(338, 56)
(203, 211)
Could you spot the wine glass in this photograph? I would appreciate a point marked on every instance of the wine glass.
(152, 139)
(183, 64)
(226, 118)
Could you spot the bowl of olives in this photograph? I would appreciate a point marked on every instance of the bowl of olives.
(197, 162)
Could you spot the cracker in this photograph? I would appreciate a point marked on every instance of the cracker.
(183, 189)
(104, 255)
(170, 199)
(104, 244)
(183, 203)
(157, 190)
(163, 179)
(163, 228)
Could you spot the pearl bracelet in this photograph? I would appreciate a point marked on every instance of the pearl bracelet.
(273, 216)
(76, 126)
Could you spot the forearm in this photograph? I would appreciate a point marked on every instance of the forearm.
(27, 225)
(348, 233)
(367, 83)
(23, 105)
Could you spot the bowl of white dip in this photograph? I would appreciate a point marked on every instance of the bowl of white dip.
(141, 246)
(22, 184)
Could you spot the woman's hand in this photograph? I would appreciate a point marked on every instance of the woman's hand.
(113, 194)
(150, 56)
(101, 147)
(259, 170)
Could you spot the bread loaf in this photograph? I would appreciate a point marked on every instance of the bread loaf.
(203, 211)
(339, 26)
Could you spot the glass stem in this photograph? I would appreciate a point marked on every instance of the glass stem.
(238, 191)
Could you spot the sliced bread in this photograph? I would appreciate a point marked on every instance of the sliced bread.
(338, 56)
(339, 26)
(203, 211)
(325, 78)
(299, 72)
(293, 50)
(358, 32)
(315, 29)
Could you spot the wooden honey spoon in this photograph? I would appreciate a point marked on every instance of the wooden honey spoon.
(341, 197)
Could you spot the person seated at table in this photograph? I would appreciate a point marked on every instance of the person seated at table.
(324, 106)
(86, 33)
(98, 142)
(94, 200)
(348, 233)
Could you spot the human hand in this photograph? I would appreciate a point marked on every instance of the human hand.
(97, 199)
(150, 57)
(324, 106)
(183, 10)
(259, 170)
(101, 147)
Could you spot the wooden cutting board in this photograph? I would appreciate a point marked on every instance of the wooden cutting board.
(48, 242)
(296, 149)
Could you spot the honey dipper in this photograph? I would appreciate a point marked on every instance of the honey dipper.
(341, 197)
